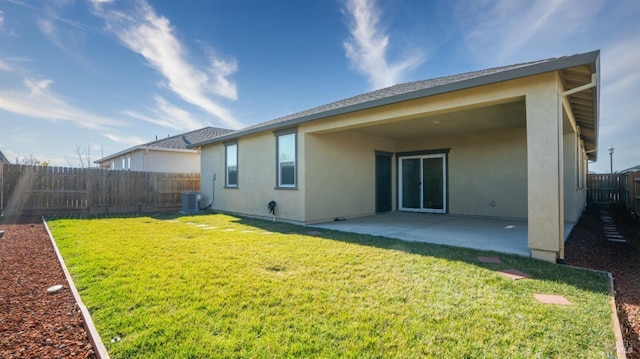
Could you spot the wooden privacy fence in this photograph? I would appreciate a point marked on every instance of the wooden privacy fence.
(38, 190)
(617, 188)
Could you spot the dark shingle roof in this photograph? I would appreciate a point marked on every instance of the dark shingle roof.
(413, 90)
(178, 142)
(183, 140)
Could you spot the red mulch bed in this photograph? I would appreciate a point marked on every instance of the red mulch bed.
(588, 247)
(34, 323)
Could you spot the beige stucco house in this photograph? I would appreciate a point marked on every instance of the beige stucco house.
(509, 142)
(168, 154)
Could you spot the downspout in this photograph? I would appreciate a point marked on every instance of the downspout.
(563, 95)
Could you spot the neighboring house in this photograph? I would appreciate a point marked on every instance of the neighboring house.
(511, 142)
(169, 154)
(631, 169)
(3, 159)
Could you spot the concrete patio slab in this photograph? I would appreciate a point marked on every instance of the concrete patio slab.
(492, 234)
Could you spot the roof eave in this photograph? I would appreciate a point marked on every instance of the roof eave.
(534, 69)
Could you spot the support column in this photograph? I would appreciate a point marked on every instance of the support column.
(545, 172)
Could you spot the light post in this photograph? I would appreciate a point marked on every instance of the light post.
(611, 158)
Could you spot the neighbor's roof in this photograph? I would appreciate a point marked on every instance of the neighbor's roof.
(174, 143)
(631, 169)
(576, 70)
(3, 159)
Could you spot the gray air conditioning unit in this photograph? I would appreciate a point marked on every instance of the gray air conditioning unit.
(190, 202)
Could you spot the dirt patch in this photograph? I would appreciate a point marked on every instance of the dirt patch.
(589, 247)
(34, 323)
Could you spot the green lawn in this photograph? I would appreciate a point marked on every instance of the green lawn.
(222, 286)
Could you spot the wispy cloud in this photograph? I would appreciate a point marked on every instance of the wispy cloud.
(4, 66)
(127, 140)
(1, 19)
(153, 37)
(167, 115)
(38, 101)
(367, 48)
(505, 31)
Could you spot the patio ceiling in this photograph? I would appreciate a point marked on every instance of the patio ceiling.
(490, 118)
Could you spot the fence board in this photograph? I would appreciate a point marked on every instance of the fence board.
(37, 190)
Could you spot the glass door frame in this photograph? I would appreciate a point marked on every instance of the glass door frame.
(445, 180)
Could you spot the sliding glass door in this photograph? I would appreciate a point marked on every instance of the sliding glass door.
(423, 183)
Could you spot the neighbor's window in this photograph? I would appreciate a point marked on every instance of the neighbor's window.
(231, 171)
(286, 170)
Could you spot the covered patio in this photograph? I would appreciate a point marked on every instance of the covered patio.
(491, 234)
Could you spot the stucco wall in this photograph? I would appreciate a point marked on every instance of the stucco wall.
(158, 161)
(172, 162)
(256, 180)
(483, 168)
(340, 173)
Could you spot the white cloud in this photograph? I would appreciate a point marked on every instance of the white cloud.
(126, 140)
(1, 19)
(506, 31)
(39, 102)
(4, 66)
(167, 115)
(367, 47)
(152, 36)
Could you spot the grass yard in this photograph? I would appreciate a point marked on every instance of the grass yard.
(222, 286)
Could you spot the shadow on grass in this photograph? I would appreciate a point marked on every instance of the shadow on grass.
(577, 277)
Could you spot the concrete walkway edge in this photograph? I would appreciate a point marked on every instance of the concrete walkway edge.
(92, 332)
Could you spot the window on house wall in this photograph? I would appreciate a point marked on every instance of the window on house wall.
(113, 164)
(286, 160)
(231, 164)
(128, 162)
(124, 163)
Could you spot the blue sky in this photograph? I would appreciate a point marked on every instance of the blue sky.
(96, 77)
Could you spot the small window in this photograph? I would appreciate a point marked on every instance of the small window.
(286, 171)
(231, 165)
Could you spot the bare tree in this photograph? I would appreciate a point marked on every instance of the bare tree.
(31, 160)
(84, 156)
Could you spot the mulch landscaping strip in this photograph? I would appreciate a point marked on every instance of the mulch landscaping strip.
(589, 247)
(33, 322)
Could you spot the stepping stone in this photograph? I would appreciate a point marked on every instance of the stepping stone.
(229, 230)
(614, 236)
(248, 231)
(514, 274)
(616, 240)
(606, 217)
(266, 232)
(552, 299)
(489, 259)
(314, 233)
